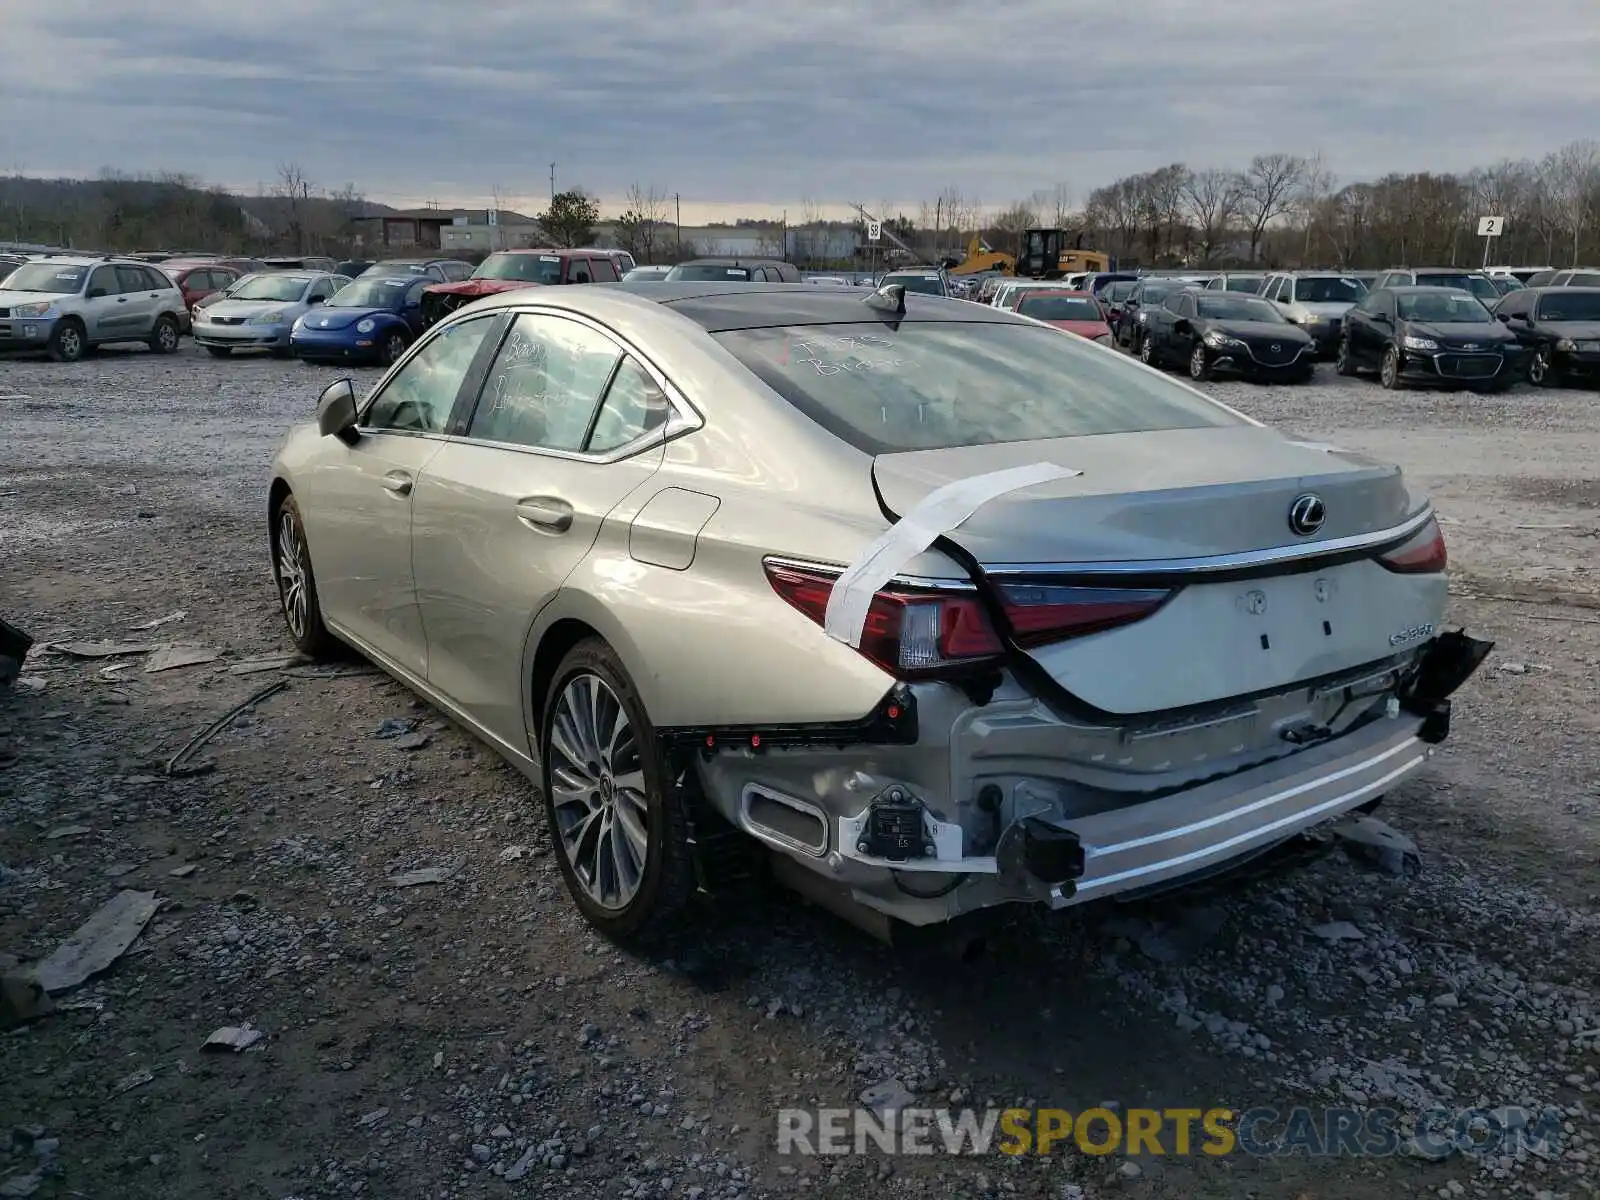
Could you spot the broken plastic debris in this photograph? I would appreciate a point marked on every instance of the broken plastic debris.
(424, 875)
(22, 999)
(393, 727)
(512, 853)
(182, 872)
(128, 1082)
(65, 831)
(99, 941)
(160, 621)
(1338, 931)
(413, 741)
(233, 1037)
(1381, 844)
(372, 1118)
(102, 649)
(171, 657)
(253, 666)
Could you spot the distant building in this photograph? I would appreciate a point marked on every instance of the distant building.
(445, 229)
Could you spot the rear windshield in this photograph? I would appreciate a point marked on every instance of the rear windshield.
(707, 273)
(1249, 284)
(1060, 308)
(931, 284)
(1583, 279)
(1570, 306)
(930, 385)
(524, 268)
(1329, 289)
(371, 293)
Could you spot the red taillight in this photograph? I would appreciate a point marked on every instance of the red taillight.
(911, 633)
(1044, 613)
(920, 633)
(1422, 555)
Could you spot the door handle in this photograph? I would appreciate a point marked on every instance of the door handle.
(122, 299)
(545, 514)
(398, 483)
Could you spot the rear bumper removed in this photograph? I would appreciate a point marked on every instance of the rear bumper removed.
(949, 808)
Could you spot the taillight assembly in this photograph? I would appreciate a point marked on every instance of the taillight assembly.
(1422, 555)
(925, 633)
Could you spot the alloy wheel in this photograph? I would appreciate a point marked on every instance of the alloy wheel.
(597, 790)
(393, 347)
(292, 575)
(1390, 368)
(1197, 363)
(1539, 369)
(1147, 351)
(167, 335)
(71, 343)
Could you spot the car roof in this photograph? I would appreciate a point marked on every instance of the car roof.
(561, 250)
(1411, 289)
(717, 307)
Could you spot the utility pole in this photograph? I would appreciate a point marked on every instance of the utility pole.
(677, 207)
(494, 229)
(552, 183)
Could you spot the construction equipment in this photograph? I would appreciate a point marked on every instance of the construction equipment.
(1043, 254)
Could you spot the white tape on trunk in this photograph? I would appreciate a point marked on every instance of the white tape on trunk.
(940, 511)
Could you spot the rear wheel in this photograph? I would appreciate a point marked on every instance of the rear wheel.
(1199, 363)
(164, 337)
(1343, 364)
(1145, 348)
(297, 585)
(219, 351)
(620, 832)
(68, 342)
(1389, 371)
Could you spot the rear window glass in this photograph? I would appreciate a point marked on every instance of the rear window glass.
(930, 385)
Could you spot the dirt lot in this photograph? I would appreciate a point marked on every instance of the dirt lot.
(471, 1038)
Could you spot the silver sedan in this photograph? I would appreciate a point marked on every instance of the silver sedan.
(935, 605)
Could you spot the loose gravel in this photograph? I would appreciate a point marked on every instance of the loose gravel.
(469, 1036)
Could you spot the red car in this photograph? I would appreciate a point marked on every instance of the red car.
(1076, 312)
(198, 278)
(508, 270)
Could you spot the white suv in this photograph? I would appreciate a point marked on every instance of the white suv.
(67, 305)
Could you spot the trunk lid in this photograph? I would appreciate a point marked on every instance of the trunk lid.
(1188, 494)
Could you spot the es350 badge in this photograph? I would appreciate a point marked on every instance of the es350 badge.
(1415, 634)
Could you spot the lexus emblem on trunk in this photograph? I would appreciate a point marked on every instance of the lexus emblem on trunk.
(1307, 514)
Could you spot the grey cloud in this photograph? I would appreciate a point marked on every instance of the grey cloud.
(892, 98)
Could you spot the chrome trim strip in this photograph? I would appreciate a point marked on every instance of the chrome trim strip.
(1224, 562)
(1300, 819)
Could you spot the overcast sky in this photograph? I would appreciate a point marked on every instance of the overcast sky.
(757, 107)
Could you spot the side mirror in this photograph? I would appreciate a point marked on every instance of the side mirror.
(1506, 317)
(1182, 328)
(1380, 318)
(95, 294)
(314, 301)
(336, 411)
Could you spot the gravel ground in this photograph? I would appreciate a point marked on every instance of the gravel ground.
(471, 1037)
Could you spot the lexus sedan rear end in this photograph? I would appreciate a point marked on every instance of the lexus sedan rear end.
(940, 608)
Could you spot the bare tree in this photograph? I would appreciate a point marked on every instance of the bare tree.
(1210, 200)
(1311, 198)
(639, 226)
(1574, 176)
(294, 187)
(1268, 189)
(1020, 216)
(811, 238)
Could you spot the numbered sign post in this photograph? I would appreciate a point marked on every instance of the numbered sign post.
(874, 236)
(1490, 228)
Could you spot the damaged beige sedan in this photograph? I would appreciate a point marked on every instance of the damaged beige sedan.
(936, 607)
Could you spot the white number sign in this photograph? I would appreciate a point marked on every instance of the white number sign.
(1491, 226)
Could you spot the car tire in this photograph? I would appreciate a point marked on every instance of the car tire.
(219, 351)
(394, 345)
(1145, 348)
(68, 340)
(1542, 371)
(629, 894)
(1199, 363)
(1343, 363)
(1389, 371)
(297, 584)
(164, 337)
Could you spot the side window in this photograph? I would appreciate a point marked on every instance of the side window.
(158, 281)
(103, 282)
(604, 272)
(1174, 303)
(130, 279)
(634, 405)
(414, 293)
(579, 269)
(545, 384)
(197, 281)
(419, 398)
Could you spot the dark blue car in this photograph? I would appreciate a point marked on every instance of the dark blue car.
(372, 319)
